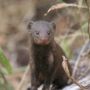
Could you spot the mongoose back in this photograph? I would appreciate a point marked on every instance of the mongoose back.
(45, 56)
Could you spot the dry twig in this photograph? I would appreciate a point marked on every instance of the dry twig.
(63, 5)
(23, 78)
(87, 3)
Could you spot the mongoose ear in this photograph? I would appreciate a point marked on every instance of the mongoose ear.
(29, 25)
(54, 25)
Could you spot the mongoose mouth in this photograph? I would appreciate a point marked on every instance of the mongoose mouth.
(42, 42)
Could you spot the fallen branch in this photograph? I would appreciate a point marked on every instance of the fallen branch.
(67, 71)
(79, 56)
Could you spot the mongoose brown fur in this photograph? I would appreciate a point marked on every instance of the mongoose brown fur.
(45, 56)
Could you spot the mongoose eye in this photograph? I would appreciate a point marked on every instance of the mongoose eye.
(48, 32)
(37, 33)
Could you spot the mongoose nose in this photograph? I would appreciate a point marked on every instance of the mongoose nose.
(44, 41)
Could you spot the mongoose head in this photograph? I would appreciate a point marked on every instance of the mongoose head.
(42, 32)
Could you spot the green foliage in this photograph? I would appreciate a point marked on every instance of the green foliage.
(5, 66)
(6, 86)
(84, 27)
(66, 48)
(5, 62)
(60, 0)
